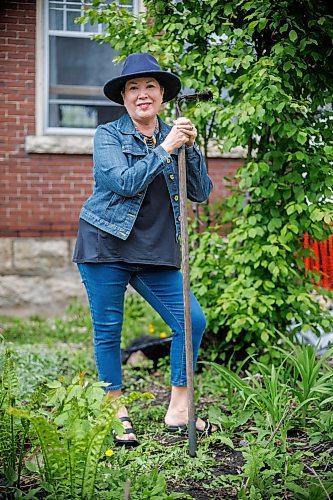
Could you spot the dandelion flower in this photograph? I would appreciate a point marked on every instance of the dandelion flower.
(163, 335)
(151, 328)
(109, 453)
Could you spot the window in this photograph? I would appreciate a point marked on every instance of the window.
(76, 68)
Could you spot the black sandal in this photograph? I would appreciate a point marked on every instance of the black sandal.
(128, 443)
(182, 429)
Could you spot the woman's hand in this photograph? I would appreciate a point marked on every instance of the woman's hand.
(182, 132)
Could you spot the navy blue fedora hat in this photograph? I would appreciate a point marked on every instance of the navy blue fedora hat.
(139, 65)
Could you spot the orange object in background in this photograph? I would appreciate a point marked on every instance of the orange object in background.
(321, 261)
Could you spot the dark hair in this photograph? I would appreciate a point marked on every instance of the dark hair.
(123, 89)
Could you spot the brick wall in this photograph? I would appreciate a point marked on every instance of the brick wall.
(41, 194)
(44, 194)
(221, 169)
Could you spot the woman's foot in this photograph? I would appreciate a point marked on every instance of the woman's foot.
(177, 414)
(177, 420)
(128, 438)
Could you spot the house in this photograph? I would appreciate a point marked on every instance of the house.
(52, 75)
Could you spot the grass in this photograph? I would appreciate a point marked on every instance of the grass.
(76, 326)
(264, 447)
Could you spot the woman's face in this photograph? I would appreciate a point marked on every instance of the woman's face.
(143, 98)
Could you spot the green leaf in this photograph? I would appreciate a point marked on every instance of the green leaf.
(293, 228)
(274, 223)
(301, 137)
(299, 155)
(293, 35)
(280, 107)
(253, 24)
(228, 8)
(54, 384)
(10, 474)
(264, 337)
(226, 440)
(291, 209)
(328, 218)
(243, 417)
(31, 495)
(316, 215)
(31, 466)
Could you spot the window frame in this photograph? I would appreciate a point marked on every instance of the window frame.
(43, 90)
(70, 141)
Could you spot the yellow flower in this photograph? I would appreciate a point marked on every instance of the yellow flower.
(163, 335)
(151, 328)
(109, 453)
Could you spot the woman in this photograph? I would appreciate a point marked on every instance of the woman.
(129, 228)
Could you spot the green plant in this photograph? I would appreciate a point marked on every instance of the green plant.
(312, 378)
(47, 361)
(232, 422)
(13, 434)
(316, 488)
(262, 469)
(249, 456)
(207, 272)
(74, 327)
(321, 427)
(263, 391)
(71, 436)
(150, 486)
(277, 395)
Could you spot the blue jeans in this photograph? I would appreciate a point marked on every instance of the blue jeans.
(106, 284)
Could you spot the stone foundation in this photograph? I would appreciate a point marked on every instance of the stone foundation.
(37, 276)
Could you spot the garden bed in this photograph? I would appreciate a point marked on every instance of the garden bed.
(273, 439)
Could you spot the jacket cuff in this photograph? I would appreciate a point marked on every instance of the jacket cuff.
(193, 151)
(162, 154)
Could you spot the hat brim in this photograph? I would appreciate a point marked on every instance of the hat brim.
(169, 82)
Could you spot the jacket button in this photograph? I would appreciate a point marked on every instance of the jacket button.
(176, 197)
(172, 177)
(168, 160)
(179, 218)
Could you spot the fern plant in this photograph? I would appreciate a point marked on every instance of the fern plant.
(72, 435)
(13, 434)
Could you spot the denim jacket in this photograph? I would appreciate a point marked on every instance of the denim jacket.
(123, 169)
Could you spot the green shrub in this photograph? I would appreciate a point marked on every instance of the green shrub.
(241, 299)
(268, 65)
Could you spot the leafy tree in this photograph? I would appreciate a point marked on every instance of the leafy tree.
(269, 66)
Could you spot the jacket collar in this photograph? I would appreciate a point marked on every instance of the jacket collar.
(126, 126)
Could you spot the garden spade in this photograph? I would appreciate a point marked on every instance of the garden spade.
(192, 435)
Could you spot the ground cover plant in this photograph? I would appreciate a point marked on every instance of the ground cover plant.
(273, 411)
